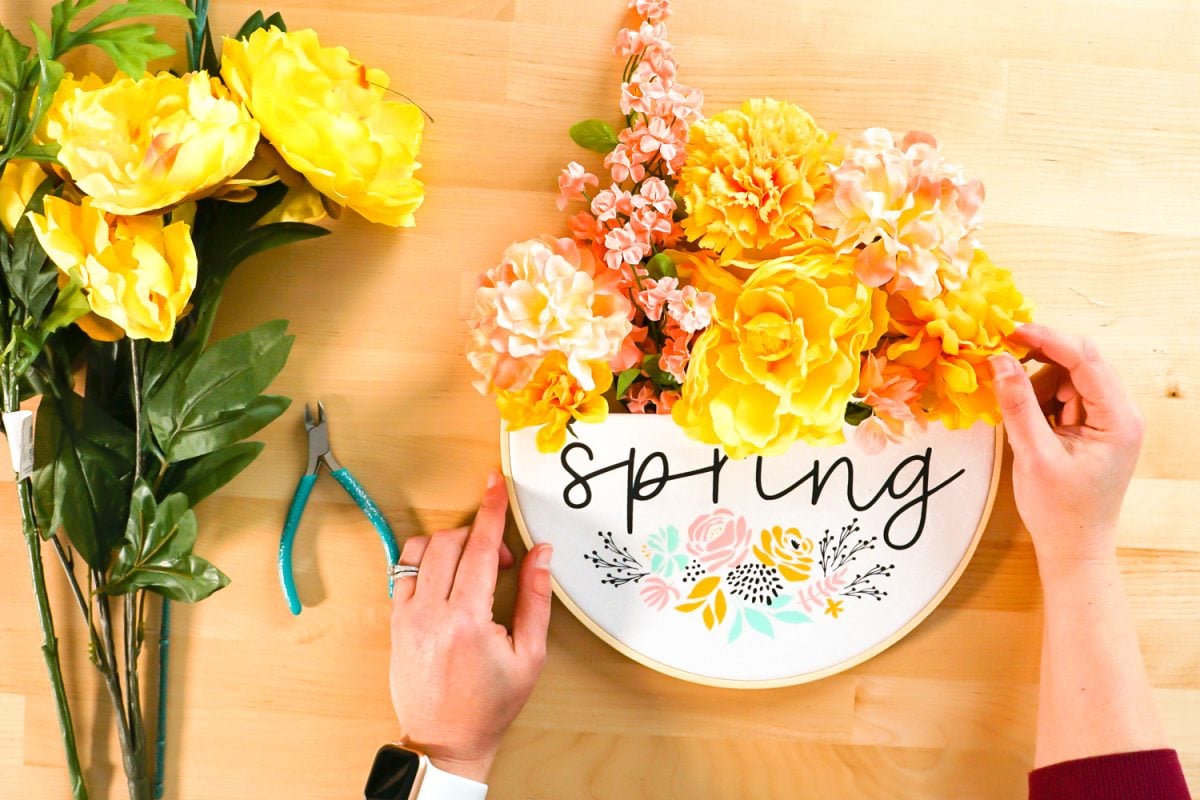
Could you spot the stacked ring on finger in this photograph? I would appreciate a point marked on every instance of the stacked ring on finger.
(403, 571)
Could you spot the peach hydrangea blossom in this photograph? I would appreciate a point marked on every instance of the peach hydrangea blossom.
(652, 10)
(573, 182)
(893, 392)
(546, 295)
(912, 212)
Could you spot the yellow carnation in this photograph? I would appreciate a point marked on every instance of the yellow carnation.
(951, 337)
(17, 185)
(780, 361)
(139, 146)
(553, 398)
(326, 115)
(751, 177)
(137, 272)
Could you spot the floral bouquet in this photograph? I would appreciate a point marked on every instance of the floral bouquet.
(126, 203)
(748, 274)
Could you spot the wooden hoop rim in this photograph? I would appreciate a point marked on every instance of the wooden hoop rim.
(773, 683)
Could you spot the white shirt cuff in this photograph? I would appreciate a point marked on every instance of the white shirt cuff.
(439, 785)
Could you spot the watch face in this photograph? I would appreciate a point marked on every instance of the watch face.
(393, 774)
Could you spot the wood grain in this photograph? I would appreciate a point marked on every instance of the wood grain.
(1079, 116)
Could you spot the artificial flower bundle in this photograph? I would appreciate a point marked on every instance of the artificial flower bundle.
(126, 204)
(750, 275)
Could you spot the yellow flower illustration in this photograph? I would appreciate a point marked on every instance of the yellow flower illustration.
(553, 398)
(144, 145)
(136, 272)
(17, 185)
(751, 177)
(786, 549)
(326, 114)
(833, 607)
(951, 337)
(781, 360)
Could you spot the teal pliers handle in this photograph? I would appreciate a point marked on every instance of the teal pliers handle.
(296, 512)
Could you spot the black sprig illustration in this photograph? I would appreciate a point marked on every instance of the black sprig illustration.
(836, 552)
(621, 566)
(864, 585)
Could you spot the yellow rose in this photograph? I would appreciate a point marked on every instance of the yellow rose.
(17, 185)
(137, 272)
(951, 336)
(139, 146)
(781, 360)
(326, 115)
(553, 398)
(751, 177)
(788, 551)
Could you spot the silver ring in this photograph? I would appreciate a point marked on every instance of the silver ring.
(402, 571)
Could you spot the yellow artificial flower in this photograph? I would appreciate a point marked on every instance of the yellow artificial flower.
(137, 273)
(781, 359)
(788, 550)
(951, 336)
(326, 114)
(553, 398)
(141, 146)
(751, 178)
(17, 185)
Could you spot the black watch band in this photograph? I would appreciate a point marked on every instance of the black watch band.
(393, 775)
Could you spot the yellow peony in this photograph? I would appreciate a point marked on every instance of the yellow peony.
(17, 185)
(751, 177)
(781, 360)
(326, 115)
(140, 146)
(553, 398)
(787, 550)
(952, 335)
(136, 272)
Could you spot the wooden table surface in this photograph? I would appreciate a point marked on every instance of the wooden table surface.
(1080, 116)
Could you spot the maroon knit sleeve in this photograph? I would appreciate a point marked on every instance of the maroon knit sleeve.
(1142, 775)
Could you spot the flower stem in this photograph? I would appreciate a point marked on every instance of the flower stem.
(33, 545)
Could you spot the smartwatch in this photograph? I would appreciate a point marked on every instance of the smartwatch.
(402, 774)
(395, 775)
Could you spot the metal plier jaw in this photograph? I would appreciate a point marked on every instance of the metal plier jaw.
(319, 453)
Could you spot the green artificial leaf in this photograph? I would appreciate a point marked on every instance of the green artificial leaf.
(30, 276)
(257, 21)
(660, 377)
(197, 478)
(130, 45)
(214, 401)
(70, 305)
(857, 413)
(84, 461)
(13, 56)
(39, 152)
(595, 135)
(626, 379)
(267, 237)
(157, 551)
(661, 265)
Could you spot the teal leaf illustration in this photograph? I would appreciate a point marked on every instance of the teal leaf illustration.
(672, 539)
(736, 629)
(781, 601)
(792, 617)
(760, 622)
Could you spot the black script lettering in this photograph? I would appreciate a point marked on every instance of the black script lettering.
(890, 488)
(639, 486)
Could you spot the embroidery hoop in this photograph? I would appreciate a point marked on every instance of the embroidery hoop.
(707, 680)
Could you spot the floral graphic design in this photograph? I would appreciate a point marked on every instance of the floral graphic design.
(734, 580)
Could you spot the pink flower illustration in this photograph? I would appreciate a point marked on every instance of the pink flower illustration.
(658, 594)
(720, 539)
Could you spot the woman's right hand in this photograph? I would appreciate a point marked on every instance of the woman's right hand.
(1069, 475)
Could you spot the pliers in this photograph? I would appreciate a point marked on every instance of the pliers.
(319, 453)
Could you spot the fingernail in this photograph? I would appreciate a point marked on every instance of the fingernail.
(493, 478)
(1002, 366)
(542, 559)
